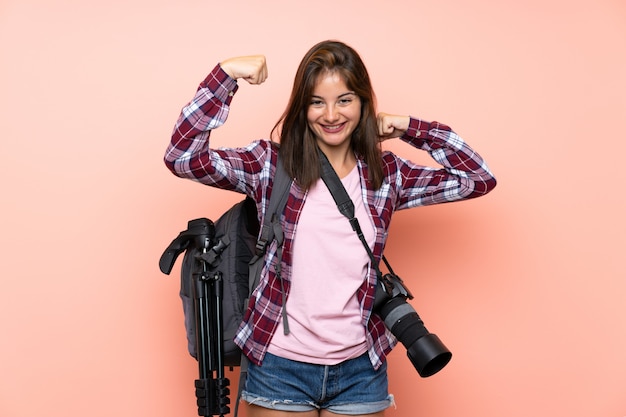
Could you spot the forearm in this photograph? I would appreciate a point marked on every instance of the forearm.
(188, 153)
(464, 175)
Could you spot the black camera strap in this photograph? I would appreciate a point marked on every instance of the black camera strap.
(346, 207)
(425, 350)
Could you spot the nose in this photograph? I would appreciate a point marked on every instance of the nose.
(331, 114)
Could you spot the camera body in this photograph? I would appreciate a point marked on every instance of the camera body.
(425, 350)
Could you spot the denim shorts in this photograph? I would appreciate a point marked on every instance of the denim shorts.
(350, 387)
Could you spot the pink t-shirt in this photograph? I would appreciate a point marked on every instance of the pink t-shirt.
(329, 265)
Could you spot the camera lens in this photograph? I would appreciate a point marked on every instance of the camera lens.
(425, 350)
(403, 321)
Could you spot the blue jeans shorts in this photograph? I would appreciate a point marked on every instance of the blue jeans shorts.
(352, 387)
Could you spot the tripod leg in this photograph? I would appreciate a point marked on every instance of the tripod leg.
(204, 384)
(212, 387)
(222, 388)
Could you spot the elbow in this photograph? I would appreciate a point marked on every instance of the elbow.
(169, 164)
(173, 160)
(482, 186)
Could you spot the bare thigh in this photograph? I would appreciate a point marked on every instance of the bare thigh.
(257, 411)
(326, 413)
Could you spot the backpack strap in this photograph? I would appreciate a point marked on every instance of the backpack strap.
(270, 229)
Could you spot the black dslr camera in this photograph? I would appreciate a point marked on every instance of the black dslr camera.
(425, 350)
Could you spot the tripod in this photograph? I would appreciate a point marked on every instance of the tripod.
(207, 291)
(212, 386)
(203, 293)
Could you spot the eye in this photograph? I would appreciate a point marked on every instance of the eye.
(347, 99)
(316, 102)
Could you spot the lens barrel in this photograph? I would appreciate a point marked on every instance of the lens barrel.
(425, 350)
(428, 355)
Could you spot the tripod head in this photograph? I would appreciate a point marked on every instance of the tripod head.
(200, 231)
(203, 231)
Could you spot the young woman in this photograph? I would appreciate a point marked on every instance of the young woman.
(314, 344)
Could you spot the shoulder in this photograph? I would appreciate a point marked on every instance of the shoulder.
(391, 164)
(261, 149)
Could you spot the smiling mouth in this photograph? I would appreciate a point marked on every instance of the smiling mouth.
(333, 128)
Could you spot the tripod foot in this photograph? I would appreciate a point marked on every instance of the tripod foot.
(212, 396)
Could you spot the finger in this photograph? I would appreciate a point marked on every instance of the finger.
(385, 128)
(261, 74)
(255, 78)
(261, 70)
(379, 124)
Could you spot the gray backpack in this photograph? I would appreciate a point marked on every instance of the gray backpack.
(225, 248)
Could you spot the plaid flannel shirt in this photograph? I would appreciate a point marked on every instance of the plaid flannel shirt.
(249, 170)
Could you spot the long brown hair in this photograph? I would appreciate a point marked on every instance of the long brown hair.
(298, 146)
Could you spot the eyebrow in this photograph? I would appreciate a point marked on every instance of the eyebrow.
(349, 93)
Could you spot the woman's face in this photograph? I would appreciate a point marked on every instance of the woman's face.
(334, 112)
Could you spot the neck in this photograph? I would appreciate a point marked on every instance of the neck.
(342, 160)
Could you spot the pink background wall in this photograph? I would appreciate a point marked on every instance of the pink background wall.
(526, 286)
